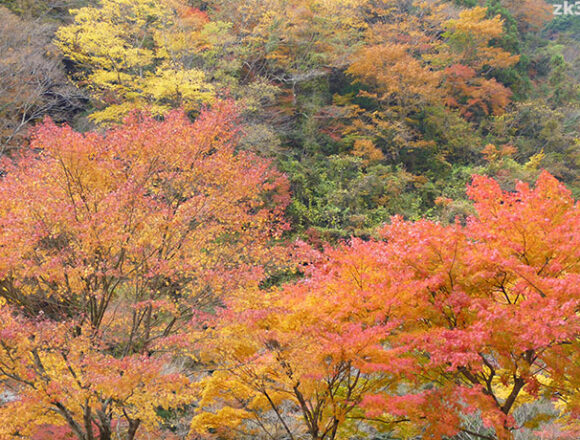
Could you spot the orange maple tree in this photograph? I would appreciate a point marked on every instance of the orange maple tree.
(109, 243)
(490, 308)
(413, 332)
(471, 58)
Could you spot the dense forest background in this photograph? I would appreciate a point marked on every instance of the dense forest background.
(371, 108)
(289, 219)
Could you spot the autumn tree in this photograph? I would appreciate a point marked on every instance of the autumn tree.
(109, 243)
(409, 68)
(135, 54)
(470, 56)
(491, 306)
(435, 322)
(292, 363)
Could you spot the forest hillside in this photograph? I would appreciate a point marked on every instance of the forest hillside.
(289, 219)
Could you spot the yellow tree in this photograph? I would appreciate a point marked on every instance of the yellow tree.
(133, 54)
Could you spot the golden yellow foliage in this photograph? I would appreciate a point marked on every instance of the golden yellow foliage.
(367, 151)
(136, 54)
